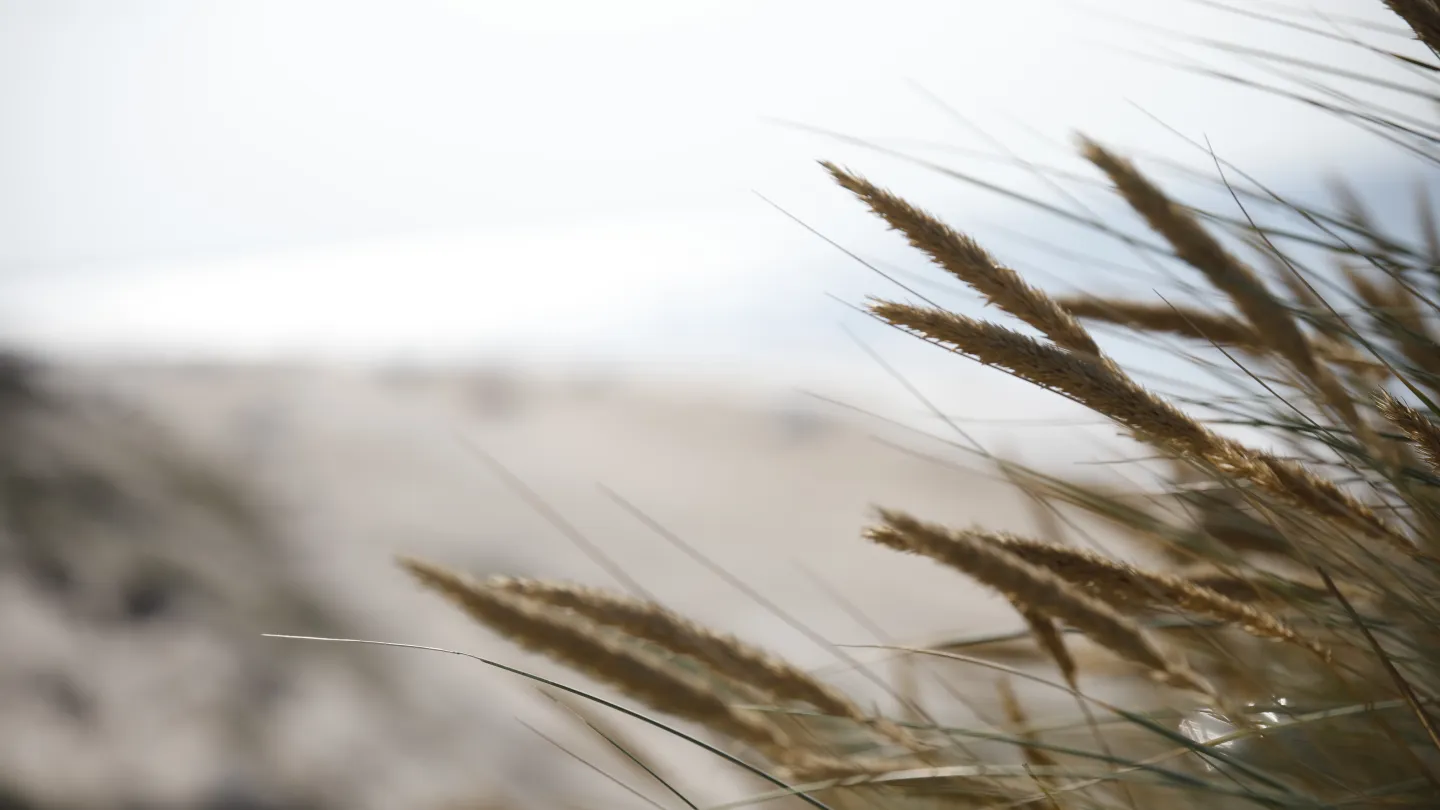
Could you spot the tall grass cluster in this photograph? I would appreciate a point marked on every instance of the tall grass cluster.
(1292, 635)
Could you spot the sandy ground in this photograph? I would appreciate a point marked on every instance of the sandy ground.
(773, 489)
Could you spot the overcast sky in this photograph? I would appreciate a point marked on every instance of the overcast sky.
(447, 177)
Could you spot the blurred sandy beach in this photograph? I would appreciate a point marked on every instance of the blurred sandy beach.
(354, 467)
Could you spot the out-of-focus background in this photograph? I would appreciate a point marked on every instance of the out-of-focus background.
(291, 287)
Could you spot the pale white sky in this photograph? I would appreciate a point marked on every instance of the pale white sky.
(445, 177)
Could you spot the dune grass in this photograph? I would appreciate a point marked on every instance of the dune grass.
(1295, 637)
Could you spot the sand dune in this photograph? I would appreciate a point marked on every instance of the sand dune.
(356, 467)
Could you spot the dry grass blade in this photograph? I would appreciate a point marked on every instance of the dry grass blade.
(1365, 288)
(1195, 246)
(1196, 324)
(1047, 634)
(1128, 588)
(1288, 590)
(963, 258)
(1180, 320)
(1039, 590)
(1223, 514)
(1020, 724)
(1035, 756)
(1422, 432)
(1397, 313)
(1413, 330)
(1429, 227)
(1083, 379)
(1304, 295)
(586, 647)
(1101, 388)
(1334, 331)
(1423, 17)
(579, 645)
(1354, 213)
(725, 654)
(639, 761)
